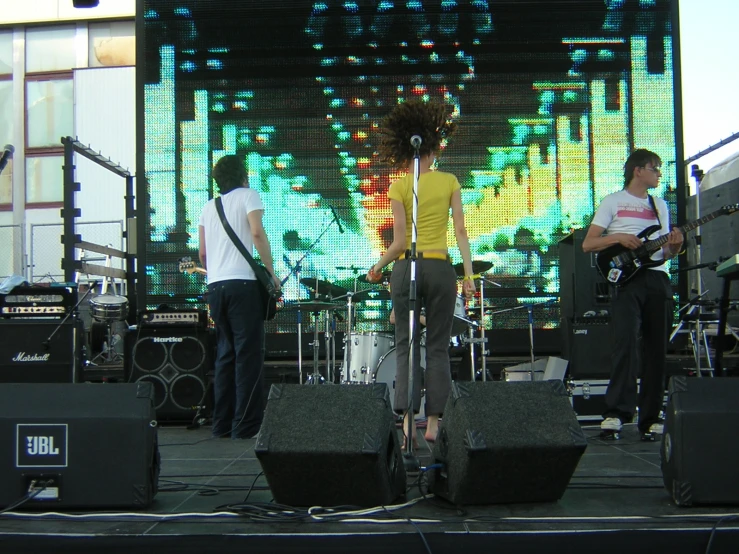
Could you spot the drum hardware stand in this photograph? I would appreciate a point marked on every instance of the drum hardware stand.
(297, 268)
(483, 339)
(348, 334)
(697, 333)
(109, 354)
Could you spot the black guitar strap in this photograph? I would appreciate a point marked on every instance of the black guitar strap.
(654, 207)
(261, 275)
(234, 237)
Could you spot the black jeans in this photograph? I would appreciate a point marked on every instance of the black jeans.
(436, 283)
(641, 309)
(238, 313)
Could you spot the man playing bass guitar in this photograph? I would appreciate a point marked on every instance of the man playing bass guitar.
(642, 307)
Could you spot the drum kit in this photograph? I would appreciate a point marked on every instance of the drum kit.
(370, 357)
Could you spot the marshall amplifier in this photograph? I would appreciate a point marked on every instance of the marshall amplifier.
(77, 446)
(40, 351)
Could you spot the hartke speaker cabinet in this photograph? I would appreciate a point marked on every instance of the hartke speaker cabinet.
(505, 442)
(176, 361)
(28, 355)
(95, 445)
(700, 453)
(331, 445)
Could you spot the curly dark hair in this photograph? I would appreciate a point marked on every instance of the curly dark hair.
(230, 173)
(429, 120)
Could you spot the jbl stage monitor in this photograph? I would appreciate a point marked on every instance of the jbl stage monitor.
(330, 446)
(78, 445)
(700, 453)
(503, 442)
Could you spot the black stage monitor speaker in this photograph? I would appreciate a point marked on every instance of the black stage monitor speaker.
(40, 351)
(176, 361)
(92, 445)
(700, 453)
(330, 446)
(504, 442)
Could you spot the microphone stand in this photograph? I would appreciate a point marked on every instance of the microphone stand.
(410, 461)
(59, 325)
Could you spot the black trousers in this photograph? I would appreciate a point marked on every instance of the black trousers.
(641, 312)
(436, 284)
(238, 312)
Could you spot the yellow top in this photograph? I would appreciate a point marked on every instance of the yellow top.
(435, 190)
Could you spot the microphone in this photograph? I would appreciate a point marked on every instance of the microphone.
(416, 141)
(7, 154)
(336, 218)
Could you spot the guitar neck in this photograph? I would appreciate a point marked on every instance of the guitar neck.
(653, 245)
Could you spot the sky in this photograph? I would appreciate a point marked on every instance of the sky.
(709, 43)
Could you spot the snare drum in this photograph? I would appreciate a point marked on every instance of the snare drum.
(385, 373)
(366, 351)
(109, 307)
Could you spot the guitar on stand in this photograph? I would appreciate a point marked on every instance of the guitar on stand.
(618, 265)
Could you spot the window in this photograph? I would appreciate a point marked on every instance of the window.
(44, 179)
(50, 49)
(6, 113)
(6, 52)
(112, 43)
(49, 110)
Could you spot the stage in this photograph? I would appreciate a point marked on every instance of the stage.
(212, 496)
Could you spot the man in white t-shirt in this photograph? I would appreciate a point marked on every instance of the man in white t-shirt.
(643, 306)
(236, 304)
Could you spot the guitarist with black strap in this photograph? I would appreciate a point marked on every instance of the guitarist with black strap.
(237, 303)
(641, 307)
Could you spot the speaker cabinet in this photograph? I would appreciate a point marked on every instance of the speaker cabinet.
(176, 361)
(700, 453)
(505, 442)
(40, 351)
(331, 445)
(92, 445)
(587, 345)
(581, 288)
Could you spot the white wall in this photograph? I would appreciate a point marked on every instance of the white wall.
(54, 11)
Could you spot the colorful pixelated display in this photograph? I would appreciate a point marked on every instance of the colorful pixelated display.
(549, 96)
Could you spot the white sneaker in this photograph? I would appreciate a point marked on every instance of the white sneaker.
(657, 428)
(611, 424)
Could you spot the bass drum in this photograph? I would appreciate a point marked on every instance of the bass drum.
(367, 350)
(385, 373)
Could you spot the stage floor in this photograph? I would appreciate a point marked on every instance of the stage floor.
(615, 502)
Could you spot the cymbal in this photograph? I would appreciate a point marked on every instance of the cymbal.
(371, 294)
(478, 266)
(323, 287)
(385, 278)
(310, 306)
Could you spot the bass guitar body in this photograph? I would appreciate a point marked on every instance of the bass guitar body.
(618, 265)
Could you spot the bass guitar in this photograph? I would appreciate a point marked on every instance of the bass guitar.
(618, 265)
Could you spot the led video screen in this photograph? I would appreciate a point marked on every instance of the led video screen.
(549, 97)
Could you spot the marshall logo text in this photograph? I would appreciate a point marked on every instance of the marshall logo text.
(23, 357)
